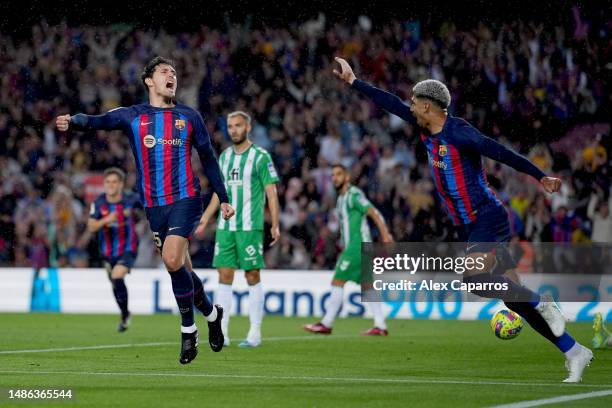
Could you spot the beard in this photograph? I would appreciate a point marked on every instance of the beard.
(241, 138)
(339, 187)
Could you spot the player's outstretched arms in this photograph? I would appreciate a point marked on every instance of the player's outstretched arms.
(389, 102)
(111, 120)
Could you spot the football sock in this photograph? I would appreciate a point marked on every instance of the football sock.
(379, 316)
(121, 295)
(256, 309)
(182, 286)
(200, 298)
(334, 303)
(566, 343)
(224, 297)
(534, 318)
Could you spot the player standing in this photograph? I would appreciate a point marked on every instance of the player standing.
(455, 150)
(353, 208)
(113, 217)
(249, 172)
(161, 135)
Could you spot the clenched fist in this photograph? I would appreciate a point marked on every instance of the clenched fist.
(62, 122)
(551, 184)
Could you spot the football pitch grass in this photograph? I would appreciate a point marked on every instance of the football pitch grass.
(422, 363)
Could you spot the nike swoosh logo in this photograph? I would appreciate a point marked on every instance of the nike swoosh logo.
(145, 124)
(173, 228)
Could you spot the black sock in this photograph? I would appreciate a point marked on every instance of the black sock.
(513, 293)
(121, 295)
(200, 298)
(182, 286)
(535, 319)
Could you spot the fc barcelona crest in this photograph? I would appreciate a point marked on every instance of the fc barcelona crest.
(179, 124)
(442, 150)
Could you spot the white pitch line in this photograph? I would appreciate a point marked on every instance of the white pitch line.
(413, 380)
(79, 348)
(130, 345)
(554, 400)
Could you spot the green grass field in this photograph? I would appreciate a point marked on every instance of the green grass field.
(421, 363)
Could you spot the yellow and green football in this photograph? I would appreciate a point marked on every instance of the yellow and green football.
(506, 324)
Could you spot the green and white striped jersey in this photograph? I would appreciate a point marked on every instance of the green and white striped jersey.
(245, 176)
(352, 207)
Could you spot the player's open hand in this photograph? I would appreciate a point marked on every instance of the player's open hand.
(346, 72)
(227, 211)
(62, 122)
(275, 232)
(551, 184)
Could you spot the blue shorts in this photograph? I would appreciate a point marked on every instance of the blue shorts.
(127, 259)
(180, 218)
(490, 232)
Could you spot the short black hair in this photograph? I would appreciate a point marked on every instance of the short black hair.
(116, 171)
(340, 165)
(148, 70)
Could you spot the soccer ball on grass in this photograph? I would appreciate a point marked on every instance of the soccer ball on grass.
(506, 324)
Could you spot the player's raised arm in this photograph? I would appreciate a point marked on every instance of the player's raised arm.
(471, 137)
(389, 102)
(111, 120)
(210, 164)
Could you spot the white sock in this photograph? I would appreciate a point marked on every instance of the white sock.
(334, 303)
(189, 329)
(256, 309)
(379, 315)
(574, 351)
(213, 315)
(224, 299)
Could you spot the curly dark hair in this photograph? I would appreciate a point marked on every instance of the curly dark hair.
(148, 70)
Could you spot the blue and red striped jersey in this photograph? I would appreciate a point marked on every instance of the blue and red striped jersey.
(458, 173)
(455, 158)
(120, 236)
(161, 140)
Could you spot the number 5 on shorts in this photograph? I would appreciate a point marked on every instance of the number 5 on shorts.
(157, 240)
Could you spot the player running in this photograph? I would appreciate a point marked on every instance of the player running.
(113, 217)
(353, 208)
(455, 150)
(161, 135)
(249, 173)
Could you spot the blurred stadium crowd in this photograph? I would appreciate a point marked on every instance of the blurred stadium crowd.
(542, 89)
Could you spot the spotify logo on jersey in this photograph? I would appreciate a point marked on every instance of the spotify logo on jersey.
(149, 141)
